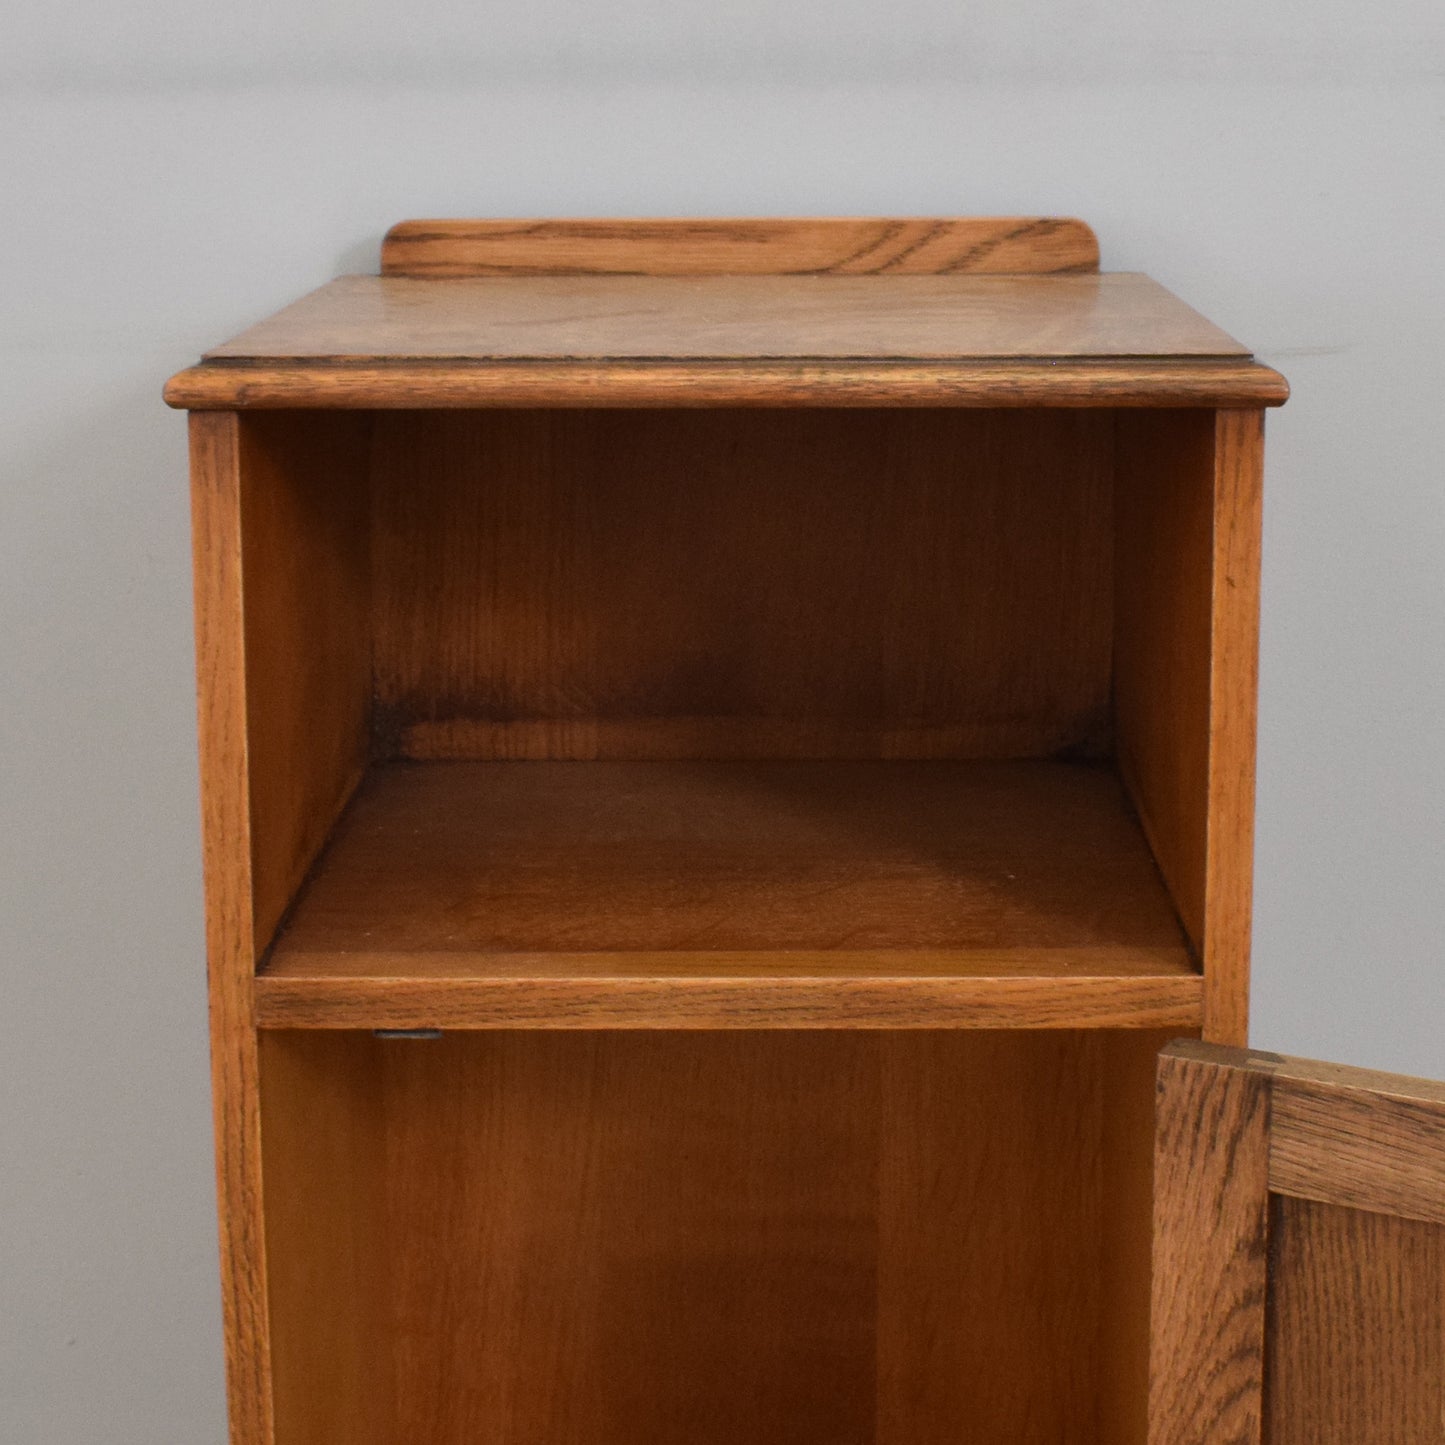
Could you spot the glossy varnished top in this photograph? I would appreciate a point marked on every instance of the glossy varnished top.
(712, 313)
(733, 318)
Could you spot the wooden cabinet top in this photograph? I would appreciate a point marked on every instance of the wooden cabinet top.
(466, 318)
(736, 318)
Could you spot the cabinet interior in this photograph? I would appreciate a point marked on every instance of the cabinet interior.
(842, 1236)
(574, 709)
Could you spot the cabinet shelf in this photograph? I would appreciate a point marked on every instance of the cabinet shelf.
(763, 894)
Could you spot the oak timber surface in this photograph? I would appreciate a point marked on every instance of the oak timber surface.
(734, 318)
(739, 245)
(708, 894)
(706, 1238)
(1356, 1327)
(443, 385)
(715, 583)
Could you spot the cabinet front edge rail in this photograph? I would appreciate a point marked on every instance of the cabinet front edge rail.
(1165, 1001)
(228, 385)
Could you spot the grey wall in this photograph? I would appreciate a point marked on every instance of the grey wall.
(171, 171)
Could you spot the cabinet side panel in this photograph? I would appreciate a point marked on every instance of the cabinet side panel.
(1128, 1062)
(1164, 506)
(326, 1251)
(750, 584)
(1185, 674)
(230, 951)
(1357, 1327)
(1234, 679)
(305, 571)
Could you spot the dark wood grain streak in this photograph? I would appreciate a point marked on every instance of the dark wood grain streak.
(740, 246)
(443, 385)
(1210, 1250)
(230, 939)
(1356, 1328)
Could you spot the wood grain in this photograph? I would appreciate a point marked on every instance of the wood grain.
(527, 858)
(230, 942)
(738, 318)
(839, 992)
(1357, 1328)
(328, 1256)
(990, 1206)
(704, 895)
(1164, 500)
(1128, 1060)
(305, 563)
(741, 246)
(1210, 1249)
(735, 1134)
(741, 584)
(834, 384)
(880, 1239)
(1355, 1346)
(1361, 1140)
(607, 1238)
(1233, 693)
(1185, 675)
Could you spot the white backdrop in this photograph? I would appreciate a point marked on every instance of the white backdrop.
(171, 171)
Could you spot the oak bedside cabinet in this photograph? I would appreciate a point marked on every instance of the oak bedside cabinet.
(727, 753)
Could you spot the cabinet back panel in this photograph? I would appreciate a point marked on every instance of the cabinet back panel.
(578, 584)
(582, 1239)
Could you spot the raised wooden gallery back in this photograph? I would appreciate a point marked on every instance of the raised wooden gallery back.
(727, 748)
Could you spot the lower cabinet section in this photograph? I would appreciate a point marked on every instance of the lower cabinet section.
(655, 1238)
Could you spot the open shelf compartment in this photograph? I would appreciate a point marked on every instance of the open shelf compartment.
(728, 718)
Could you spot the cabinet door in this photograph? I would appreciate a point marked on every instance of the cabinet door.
(1299, 1253)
